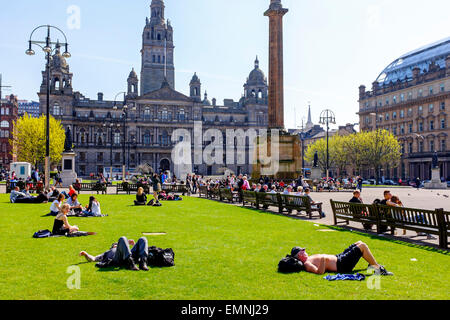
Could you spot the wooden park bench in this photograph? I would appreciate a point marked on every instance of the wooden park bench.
(176, 188)
(250, 197)
(131, 187)
(269, 199)
(214, 193)
(230, 196)
(90, 187)
(299, 203)
(203, 191)
(420, 220)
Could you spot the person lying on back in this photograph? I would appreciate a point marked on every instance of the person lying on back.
(342, 263)
(16, 194)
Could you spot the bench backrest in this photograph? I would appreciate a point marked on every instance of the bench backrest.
(354, 210)
(295, 201)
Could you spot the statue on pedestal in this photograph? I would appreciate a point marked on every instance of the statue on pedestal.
(68, 142)
(435, 163)
(316, 160)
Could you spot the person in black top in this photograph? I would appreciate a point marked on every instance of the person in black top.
(387, 199)
(356, 197)
(360, 183)
(418, 183)
(141, 198)
(61, 225)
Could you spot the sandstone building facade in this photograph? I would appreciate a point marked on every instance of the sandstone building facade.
(411, 99)
(155, 110)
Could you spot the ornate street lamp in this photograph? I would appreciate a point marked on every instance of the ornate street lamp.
(48, 47)
(327, 117)
(124, 117)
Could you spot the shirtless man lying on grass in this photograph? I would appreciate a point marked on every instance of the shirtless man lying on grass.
(344, 262)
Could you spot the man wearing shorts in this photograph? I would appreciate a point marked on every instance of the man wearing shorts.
(344, 262)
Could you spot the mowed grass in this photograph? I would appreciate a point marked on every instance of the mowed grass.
(221, 252)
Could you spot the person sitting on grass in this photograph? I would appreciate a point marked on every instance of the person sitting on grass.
(93, 208)
(141, 197)
(61, 225)
(55, 208)
(16, 195)
(71, 192)
(75, 205)
(120, 255)
(342, 263)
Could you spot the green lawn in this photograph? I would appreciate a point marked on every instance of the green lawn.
(221, 252)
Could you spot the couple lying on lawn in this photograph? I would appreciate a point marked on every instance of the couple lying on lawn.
(344, 262)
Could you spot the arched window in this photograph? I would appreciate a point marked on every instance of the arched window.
(5, 124)
(57, 110)
(57, 84)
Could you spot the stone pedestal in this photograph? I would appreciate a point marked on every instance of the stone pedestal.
(435, 180)
(316, 174)
(285, 157)
(68, 174)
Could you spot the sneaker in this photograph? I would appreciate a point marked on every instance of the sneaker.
(143, 265)
(383, 272)
(131, 265)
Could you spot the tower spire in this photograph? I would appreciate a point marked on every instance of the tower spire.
(309, 113)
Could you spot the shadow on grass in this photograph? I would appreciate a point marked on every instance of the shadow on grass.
(385, 237)
(419, 244)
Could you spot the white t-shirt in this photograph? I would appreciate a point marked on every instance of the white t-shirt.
(96, 208)
(54, 207)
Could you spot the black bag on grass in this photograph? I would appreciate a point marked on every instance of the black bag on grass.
(158, 257)
(289, 264)
(42, 234)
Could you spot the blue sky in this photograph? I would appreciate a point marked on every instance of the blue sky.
(330, 47)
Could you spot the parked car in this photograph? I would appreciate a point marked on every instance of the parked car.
(448, 184)
(372, 181)
(366, 182)
(390, 183)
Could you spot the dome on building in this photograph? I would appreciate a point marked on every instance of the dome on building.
(257, 75)
(402, 68)
(206, 102)
(58, 61)
(132, 74)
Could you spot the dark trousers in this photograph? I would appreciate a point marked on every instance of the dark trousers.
(123, 252)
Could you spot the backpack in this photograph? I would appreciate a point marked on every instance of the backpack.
(42, 234)
(289, 264)
(158, 257)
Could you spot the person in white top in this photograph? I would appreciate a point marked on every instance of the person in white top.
(55, 208)
(93, 209)
(299, 191)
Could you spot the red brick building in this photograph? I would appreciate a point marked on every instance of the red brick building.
(8, 114)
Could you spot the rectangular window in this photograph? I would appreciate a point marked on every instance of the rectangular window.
(442, 106)
(394, 131)
(387, 101)
(432, 146)
(442, 123)
(420, 126)
(387, 117)
(403, 148)
(394, 99)
(410, 147)
(402, 129)
(402, 97)
(443, 145)
(394, 115)
(420, 94)
(420, 109)
(431, 125)
(430, 90)
(402, 113)
(442, 87)
(409, 112)
(430, 108)
(409, 95)
(410, 130)
(420, 146)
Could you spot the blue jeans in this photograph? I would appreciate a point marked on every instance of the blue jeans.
(123, 252)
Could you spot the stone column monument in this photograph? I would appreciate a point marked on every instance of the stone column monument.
(276, 13)
(289, 146)
(68, 174)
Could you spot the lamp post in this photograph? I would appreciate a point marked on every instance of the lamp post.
(302, 140)
(327, 117)
(48, 47)
(111, 126)
(124, 117)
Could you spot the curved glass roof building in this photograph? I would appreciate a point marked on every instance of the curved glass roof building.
(402, 68)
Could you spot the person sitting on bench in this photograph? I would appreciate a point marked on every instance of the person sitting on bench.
(61, 225)
(55, 208)
(344, 262)
(314, 205)
(120, 255)
(75, 205)
(356, 197)
(141, 197)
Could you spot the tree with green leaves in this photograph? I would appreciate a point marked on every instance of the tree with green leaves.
(29, 139)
